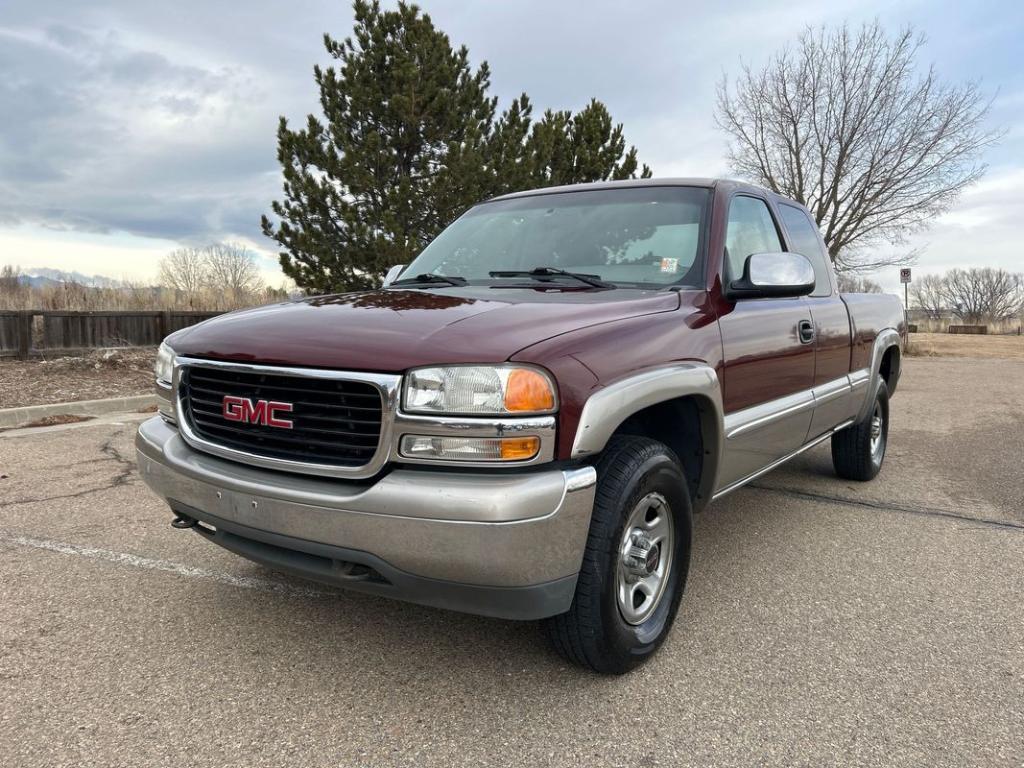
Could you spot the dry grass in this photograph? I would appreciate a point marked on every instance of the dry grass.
(956, 345)
(128, 296)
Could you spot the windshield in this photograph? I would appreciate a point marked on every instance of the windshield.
(646, 236)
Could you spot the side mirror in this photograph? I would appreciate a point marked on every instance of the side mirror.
(392, 275)
(773, 275)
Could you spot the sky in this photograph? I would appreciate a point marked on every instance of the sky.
(128, 129)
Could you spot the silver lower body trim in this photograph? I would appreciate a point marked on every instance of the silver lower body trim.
(762, 435)
(765, 470)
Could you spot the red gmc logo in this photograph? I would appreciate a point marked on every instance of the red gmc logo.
(259, 412)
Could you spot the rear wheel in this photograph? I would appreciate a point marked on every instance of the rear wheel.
(636, 560)
(859, 450)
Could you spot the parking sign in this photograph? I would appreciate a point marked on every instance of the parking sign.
(905, 275)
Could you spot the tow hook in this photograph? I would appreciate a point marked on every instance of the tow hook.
(184, 522)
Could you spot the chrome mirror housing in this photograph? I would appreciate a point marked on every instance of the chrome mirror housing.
(773, 275)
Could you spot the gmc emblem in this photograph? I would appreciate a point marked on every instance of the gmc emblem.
(259, 412)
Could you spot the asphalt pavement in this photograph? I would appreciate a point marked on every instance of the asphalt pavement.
(825, 622)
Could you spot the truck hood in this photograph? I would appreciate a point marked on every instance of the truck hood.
(391, 331)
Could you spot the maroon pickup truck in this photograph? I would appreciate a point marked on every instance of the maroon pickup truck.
(523, 421)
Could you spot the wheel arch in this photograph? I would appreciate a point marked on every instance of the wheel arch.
(679, 405)
(885, 365)
(890, 367)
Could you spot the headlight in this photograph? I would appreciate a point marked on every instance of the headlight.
(477, 389)
(164, 366)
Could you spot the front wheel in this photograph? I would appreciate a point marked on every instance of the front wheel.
(859, 450)
(636, 560)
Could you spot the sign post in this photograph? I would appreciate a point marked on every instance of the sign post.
(905, 279)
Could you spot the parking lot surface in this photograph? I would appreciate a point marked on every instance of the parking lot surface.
(825, 622)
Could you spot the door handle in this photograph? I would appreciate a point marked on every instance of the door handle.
(806, 331)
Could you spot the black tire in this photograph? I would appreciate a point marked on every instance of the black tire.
(852, 454)
(593, 633)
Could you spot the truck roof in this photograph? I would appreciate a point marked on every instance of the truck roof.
(709, 183)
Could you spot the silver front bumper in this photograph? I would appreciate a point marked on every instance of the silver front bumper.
(500, 544)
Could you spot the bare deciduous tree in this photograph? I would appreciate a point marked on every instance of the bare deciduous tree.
(847, 125)
(219, 275)
(975, 294)
(185, 271)
(233, 271)
(853, 284)
(929, 294)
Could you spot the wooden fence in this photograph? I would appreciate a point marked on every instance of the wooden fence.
(45, 332)
(971, 329)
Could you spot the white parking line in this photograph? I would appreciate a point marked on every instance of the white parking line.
(135, 561)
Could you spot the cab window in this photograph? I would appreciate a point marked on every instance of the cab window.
(750, 230)
(804, 239)
(634, 237)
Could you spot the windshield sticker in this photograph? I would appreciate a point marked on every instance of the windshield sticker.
(670, 265)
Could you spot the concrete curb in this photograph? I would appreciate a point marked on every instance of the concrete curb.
(16, 417)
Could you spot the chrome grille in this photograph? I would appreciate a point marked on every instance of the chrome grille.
(336, 422)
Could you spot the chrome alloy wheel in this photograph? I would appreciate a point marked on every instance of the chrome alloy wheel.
(877, 433)
(645, 558)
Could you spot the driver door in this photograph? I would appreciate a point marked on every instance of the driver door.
(768, 354)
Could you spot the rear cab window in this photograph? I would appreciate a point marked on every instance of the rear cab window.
(804, 239)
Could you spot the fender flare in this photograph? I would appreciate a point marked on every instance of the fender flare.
(884, 341)
(607, 409)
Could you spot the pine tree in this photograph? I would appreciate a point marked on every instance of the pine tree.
(573, 149)
(408, 140)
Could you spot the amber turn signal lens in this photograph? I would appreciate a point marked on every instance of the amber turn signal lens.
(528, 391)
(519, 448)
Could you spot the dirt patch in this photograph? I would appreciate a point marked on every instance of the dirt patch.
(101, 374)
(955, 345)
(50, 421)
(53, 421)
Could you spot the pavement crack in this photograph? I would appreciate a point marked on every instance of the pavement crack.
(110, 453)
(115, 483)
(889, 506)
(127, 466)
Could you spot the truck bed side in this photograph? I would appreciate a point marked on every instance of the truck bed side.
(870, 315)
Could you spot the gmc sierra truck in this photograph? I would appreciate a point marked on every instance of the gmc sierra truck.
(522, 422)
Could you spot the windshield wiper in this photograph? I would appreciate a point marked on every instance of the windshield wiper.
(594, 281)
(429, 278)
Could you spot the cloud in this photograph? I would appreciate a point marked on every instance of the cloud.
(102, 136)
(157, 121)
(982, 229)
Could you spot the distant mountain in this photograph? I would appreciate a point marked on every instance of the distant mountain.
(37, 281)
(43, 277)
